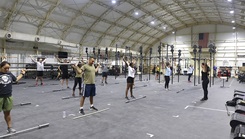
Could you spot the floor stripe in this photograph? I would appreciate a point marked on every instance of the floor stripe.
(231, 82)
(90, 113)
(207, 108)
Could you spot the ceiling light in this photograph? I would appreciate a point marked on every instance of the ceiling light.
(229, 0)
(136, 13)
(233, 27)
(232, 21)
(173, 32)
(152, 22)
(113, 1)
(164, 28)
(231, 12)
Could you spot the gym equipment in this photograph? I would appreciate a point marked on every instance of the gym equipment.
(90, 113)
(180, 90)
(239, 91)
(23, 104)
(240, 109)
(68, 97)
(237, 119)
(134, 99)
(240, 102)
(239, 132)
(25, 130)
(140, 86)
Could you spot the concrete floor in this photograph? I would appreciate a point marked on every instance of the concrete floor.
(161, 115)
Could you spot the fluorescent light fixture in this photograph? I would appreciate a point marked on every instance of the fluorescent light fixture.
(229, 0)
(152, 22)
(113, 1)
(173, 32)
(232, 21)
(164, 27)
(136, 13)
(231, 12)
(233, 27)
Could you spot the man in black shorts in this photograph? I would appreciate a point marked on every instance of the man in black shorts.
(40, 68)
(104, 74)
(89, 82)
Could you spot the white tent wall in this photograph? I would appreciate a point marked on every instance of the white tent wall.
(229, 42)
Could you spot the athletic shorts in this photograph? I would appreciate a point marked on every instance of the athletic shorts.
(65, 76)
(130, 80)
(89, 90)
(104, 74)
(6, 103)
(39, 73)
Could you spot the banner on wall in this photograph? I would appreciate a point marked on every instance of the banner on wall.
(203, 40)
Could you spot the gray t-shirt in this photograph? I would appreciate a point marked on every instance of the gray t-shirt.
(6, 80)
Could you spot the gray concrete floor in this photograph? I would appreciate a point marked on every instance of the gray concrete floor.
(161, 115)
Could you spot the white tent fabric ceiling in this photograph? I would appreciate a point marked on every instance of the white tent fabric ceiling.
(101, 23)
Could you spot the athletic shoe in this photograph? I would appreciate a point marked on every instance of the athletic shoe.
(133, 97)
(203, 99)
(41, 83)
(106, 83)
(11, 130)
(68, 87)
(81, 111)
(93, 108)
(127, 98)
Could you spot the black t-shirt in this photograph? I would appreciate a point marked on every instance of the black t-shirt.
(64, 69)
(6, 80)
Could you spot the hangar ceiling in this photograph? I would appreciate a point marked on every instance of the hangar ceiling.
(105, 23)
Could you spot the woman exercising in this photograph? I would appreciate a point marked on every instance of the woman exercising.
(6, 99)
(205, 80)
(130, 79)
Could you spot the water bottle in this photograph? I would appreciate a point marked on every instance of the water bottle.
(64, 114)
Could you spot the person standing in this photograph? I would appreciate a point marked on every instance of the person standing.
(167, 76)
(205, 80)
(64, 71)
(6, 99)
(104, 74)
(190, 72)
(40, 68)
(89, 81)
(157, 72)
(78, 78)
(130, 78)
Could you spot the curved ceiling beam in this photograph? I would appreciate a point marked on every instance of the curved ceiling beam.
(10, 15)
(190, 25)
(97, 21)
(67, 28)
(50, 11)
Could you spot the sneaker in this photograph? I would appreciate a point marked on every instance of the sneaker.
(106, 83)
(127, 98)
(36, 84)
(41, 83)
(166, 89)
(133, 97)
(203, 99)
(68, 87)
(93, 108)
(11, 130)
(81, 111)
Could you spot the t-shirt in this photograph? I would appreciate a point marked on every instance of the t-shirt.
(105, 69)
(6, 80)
(131, 72)
(40, 66)
(190, 70)
(64, 69)
(89, 74)
(78, 74)
(168, 72)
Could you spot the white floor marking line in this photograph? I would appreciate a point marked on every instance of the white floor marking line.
(90, 113)
(186, 106)
(231, 82)
(151, 135)
(176, 116)
(207, 108)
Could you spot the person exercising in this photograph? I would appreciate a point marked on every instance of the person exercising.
(40, 68)
(89, 81)
(205, 80)
(130, 78)
(78, 78)
(6, 99)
